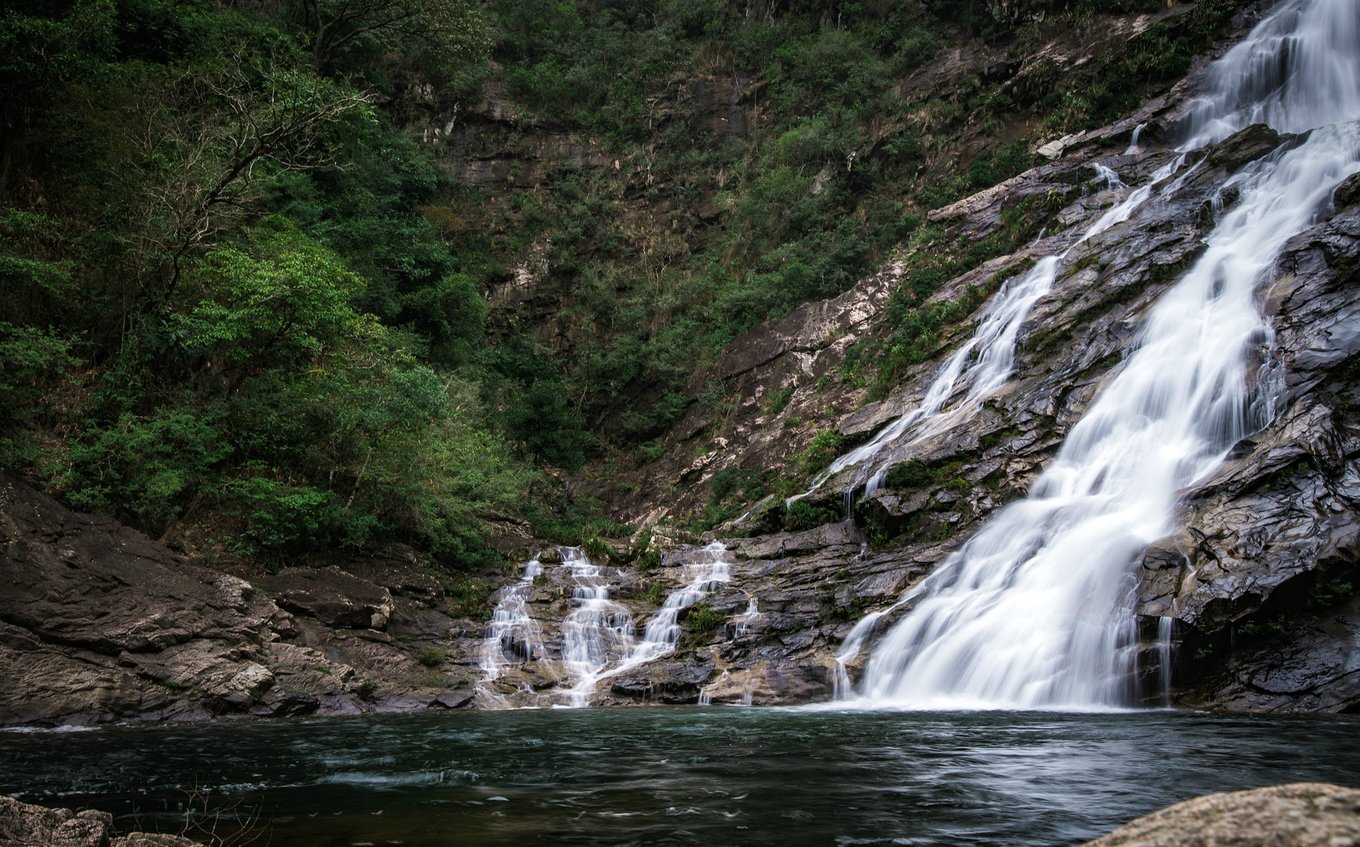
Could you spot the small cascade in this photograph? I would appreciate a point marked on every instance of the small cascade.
(746, 618)
(705, 693)
(1134, 139)
(720, 687)
(1165, 627)
(597, 634)
(984, 362)
(1108, 176)
(842, 687)
(512, 636)
(708, 569)
(1036, 609)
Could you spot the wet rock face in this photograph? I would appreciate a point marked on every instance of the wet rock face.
(100, 623)
(1261, 579)
(332, 597)
(1298, 815)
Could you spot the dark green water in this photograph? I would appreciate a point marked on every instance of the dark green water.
(723, 776)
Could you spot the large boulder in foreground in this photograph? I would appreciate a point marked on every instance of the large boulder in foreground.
(1303, 814)
(25, 825)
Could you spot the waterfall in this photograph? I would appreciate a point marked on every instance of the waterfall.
(984, 362)
(746, 618)
(599, 631)
(708, 569)
(511, 636)
(1036, 609)
(1165, 627)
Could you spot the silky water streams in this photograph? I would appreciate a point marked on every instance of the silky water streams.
(1035, 610)
(598, 635)
(984, 362)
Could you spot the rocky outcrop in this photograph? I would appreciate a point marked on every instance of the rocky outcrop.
(1299, 815)
(100, 623)
(25, 825)
(1262, 578)
(1260, 583)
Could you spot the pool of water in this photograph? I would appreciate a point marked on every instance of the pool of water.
(715, 776)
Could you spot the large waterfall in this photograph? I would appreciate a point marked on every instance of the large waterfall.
(1035, 610)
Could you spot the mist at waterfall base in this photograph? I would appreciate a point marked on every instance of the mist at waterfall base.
(1036, 609)
(675, 776)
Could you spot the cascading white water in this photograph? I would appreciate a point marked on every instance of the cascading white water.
(1036, 609)
(512, 636)
(1297, 70)
(984, 362)
(1165, 627)
(747, 618)
(597, 634)
(706, 570)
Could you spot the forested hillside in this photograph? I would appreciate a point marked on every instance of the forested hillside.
(245, 286)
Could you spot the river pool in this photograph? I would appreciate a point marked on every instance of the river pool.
(713, 776)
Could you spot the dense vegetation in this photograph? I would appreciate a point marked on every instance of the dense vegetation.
(243, 306)
(696, 234)
(224, 307)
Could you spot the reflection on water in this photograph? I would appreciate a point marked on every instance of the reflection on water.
(676, 776)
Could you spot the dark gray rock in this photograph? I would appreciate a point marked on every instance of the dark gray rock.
(335, 598)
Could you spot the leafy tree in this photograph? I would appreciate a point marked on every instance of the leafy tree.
(450, 32)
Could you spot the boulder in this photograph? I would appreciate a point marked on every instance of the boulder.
(330, 595)
(27, 825)
(1302, 814)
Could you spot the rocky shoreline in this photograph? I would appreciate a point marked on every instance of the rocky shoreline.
(99, 623)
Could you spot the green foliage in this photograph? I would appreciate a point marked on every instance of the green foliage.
(279, 517)
(574, 521)
(656, 592)
(598, 549)
(820, 451)
(1327, 594)
(31, 359)
(289, 305)
(909, 476)
(701, 620)
(432, 656)
(803, 515)
(244, 273)
(146, 468)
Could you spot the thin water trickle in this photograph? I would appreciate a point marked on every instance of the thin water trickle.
(1165, 628)
(983, 364)
(1035, 610)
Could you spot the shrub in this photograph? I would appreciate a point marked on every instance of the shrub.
(431, 656)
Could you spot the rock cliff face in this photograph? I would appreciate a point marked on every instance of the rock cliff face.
(1259, 585)
(100, 623)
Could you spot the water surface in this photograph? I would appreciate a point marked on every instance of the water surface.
(715, 776)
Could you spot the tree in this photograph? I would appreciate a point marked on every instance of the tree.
(450, 31)
(258, 115)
